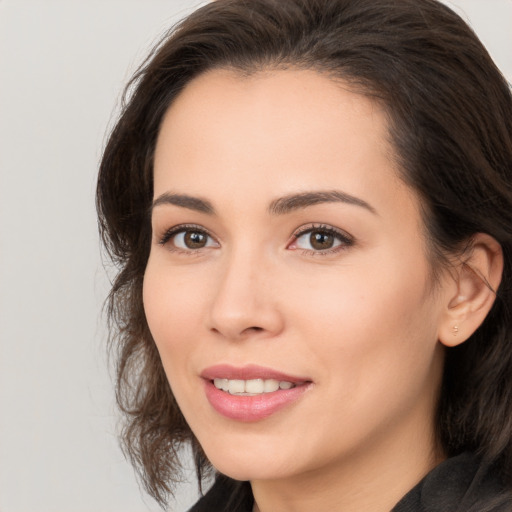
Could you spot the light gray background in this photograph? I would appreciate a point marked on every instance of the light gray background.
(63, 64)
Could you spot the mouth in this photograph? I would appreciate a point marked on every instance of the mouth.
(251, 393)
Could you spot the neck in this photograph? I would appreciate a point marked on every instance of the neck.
(373, 480)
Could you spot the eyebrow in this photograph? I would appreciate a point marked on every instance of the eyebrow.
(293, 202)
(185, 201)
(280, 206)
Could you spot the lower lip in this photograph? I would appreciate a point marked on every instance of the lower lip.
(251, 408)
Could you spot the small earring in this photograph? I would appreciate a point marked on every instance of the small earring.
(455, 330)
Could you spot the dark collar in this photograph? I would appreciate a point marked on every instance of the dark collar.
(459, 484)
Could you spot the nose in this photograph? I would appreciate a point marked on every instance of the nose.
(246, 303)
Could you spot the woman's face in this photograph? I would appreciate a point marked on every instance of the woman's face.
(288, 268)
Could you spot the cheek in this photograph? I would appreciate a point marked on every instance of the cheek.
(370, 323)
(174, 307)
(373, 350)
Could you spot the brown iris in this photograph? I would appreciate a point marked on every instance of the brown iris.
(321, 240)
(195, 239)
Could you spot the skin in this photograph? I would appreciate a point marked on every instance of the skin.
(362, 321)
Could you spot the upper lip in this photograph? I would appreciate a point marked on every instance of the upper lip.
(248, 372)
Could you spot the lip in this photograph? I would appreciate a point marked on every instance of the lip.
(251, 408)
(251, 371)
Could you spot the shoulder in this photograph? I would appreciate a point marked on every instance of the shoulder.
(459, 484)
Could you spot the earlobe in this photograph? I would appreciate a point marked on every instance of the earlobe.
(477, 277)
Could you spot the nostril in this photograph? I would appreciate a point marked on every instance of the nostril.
(247, 330)
(252, 330)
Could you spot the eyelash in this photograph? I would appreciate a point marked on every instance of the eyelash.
(344, 238)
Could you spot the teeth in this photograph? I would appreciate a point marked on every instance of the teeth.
(224, 384)
(236, 386)
(255, 386)
(252, 386)
(270, 385)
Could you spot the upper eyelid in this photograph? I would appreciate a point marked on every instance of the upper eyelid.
(179, 228)
(321, 227)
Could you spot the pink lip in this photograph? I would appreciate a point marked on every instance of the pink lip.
(251, 371)
(251, 408)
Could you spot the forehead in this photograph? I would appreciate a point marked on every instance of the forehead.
(223, 112)
(284, 96)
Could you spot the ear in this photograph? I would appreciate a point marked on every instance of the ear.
(477, 277)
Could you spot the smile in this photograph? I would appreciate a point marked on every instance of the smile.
(251, 393)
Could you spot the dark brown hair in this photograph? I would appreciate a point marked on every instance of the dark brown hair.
(450, 114)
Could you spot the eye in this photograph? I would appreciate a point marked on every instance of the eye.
(191, 240)
(321, 239)
(187, 239)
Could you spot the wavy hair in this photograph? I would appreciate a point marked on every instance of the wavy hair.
(450, 116)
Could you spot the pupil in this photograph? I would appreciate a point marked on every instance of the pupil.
(321, 240)
(195, 240)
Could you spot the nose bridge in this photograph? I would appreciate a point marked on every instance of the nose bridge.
(244, 302)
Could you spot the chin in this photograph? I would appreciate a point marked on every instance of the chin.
(248, 470)
(244, 463)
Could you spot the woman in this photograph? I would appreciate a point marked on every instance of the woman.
(309, 203)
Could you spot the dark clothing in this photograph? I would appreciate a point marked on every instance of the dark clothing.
(459, 484)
